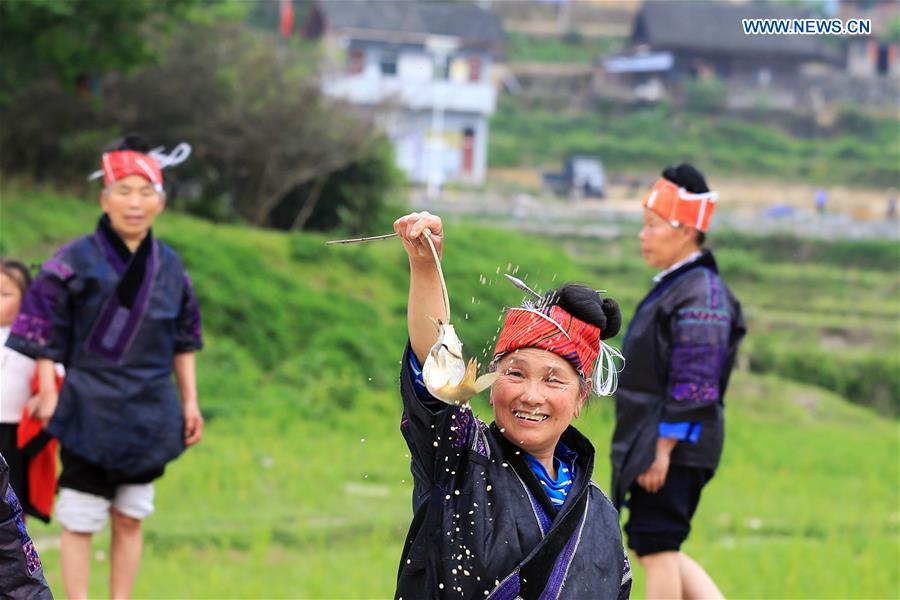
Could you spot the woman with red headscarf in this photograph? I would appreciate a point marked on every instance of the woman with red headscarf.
(117, 308)
(507, 510)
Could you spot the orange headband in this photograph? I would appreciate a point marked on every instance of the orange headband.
(677, 205)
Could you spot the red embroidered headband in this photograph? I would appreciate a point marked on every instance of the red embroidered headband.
(677, 205)
(119, 164)
(552, 328)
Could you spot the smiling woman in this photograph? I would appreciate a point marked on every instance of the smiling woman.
(508, 510)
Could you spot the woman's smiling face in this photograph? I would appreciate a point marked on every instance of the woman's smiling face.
(535, 398)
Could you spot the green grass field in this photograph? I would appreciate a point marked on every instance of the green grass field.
(301, 485)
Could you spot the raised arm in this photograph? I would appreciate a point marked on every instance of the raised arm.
(425, 292)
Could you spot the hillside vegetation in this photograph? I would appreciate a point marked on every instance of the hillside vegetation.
(858, 150)
(301, 487)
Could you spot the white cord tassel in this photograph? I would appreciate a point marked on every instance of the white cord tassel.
(178, 155)
(606, 371)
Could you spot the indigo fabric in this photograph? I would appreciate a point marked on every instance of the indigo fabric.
(115, 319)
(21, 572)
(484, 527)
(679, 351)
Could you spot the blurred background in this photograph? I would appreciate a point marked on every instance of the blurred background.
(534, 128)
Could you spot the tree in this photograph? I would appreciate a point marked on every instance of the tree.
(251, 107)
(73, 40)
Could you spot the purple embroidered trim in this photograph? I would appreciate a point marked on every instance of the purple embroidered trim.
(544, 521)
(508, 589)
(32, 560)
(32, 328)
(564, 561)
(695, 373)
(626, 574)
(116, 326)
(702, 316)
(480, 446)
(464, 424)
(56, 266)
(695, 393)
(35, 319)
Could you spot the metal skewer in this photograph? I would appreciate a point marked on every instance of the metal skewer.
(362, 239)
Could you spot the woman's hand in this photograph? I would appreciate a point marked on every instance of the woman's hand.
(193, 423)
(410, 228)
(655, 477)
(42, 406)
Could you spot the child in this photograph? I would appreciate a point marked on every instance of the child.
(29, 450)
(17, 371)
(117, 308)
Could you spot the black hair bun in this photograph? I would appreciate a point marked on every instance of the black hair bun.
(131, 141)
(584, 303)
(613, 319)
(687, 176)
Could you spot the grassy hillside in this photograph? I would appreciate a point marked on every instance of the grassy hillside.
(860, 151)
(301, 486)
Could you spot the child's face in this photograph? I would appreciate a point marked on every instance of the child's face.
(132, 204)
(10, 300)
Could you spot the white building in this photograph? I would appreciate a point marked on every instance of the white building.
(428, 67)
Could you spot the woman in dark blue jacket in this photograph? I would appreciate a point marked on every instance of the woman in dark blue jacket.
(507, 510)
(679, 351)
(117, 308)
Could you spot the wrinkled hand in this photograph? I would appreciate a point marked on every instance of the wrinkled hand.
(410, 228)
(193, 424)
(655, 477)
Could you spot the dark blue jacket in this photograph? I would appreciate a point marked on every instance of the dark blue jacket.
(679, 352)
(116, 321)
(484, 528)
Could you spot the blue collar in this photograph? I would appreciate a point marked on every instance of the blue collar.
(563, 456)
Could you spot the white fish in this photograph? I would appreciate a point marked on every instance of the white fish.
(447, 375)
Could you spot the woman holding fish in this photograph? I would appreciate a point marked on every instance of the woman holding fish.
(509, 509)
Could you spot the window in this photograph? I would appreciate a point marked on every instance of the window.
(388, 63)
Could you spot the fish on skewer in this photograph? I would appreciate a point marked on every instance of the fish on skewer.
(446, 374)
